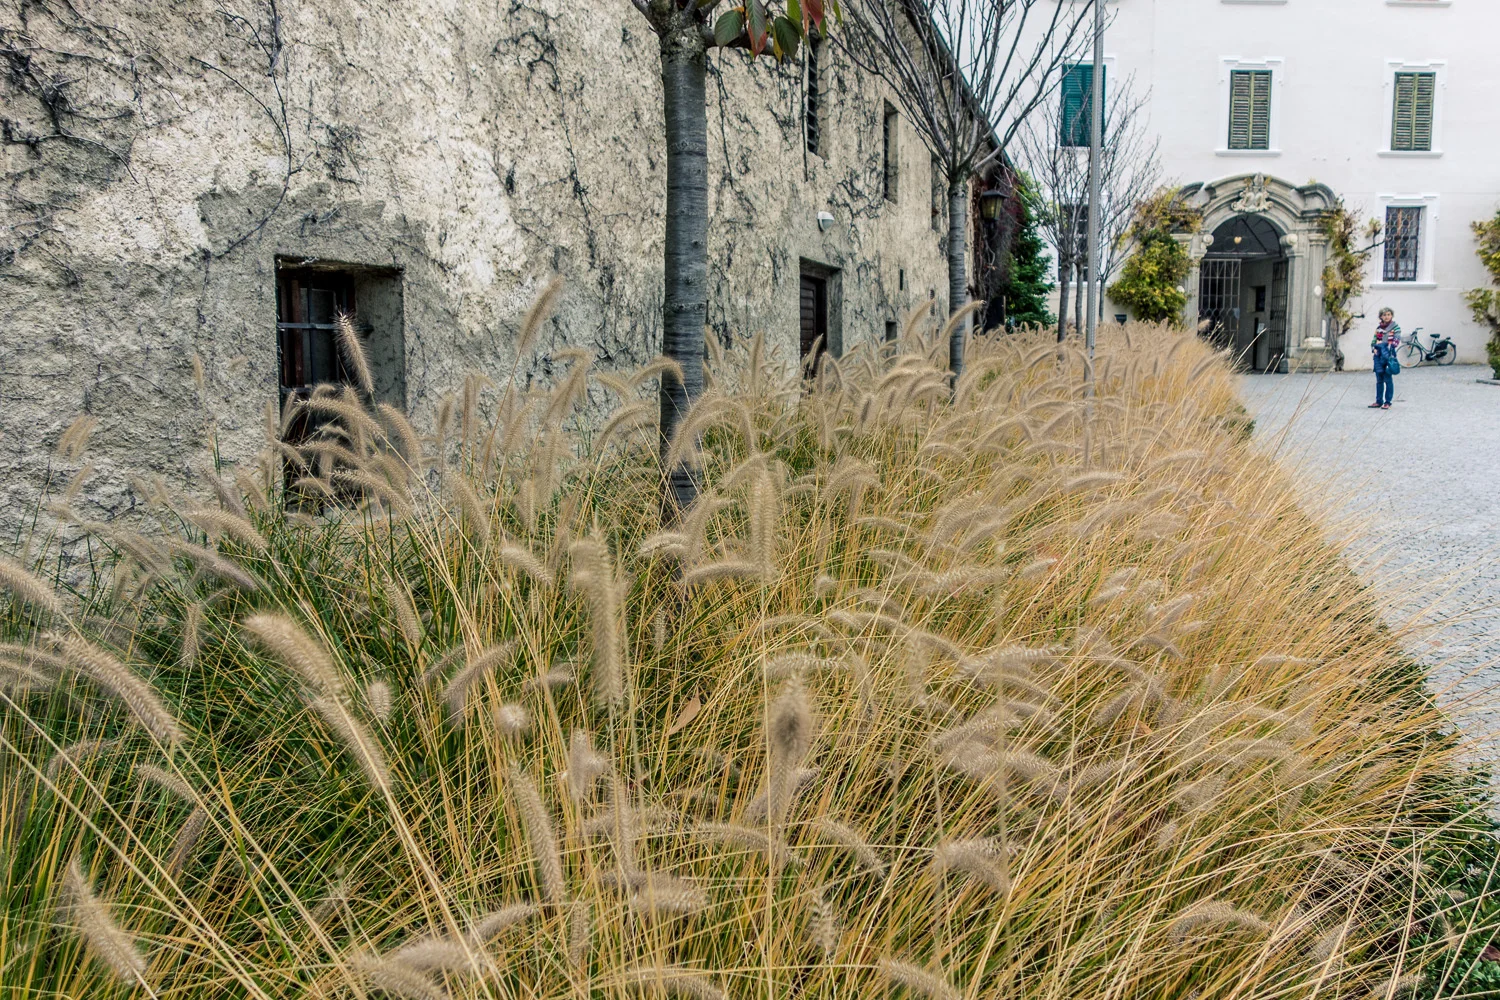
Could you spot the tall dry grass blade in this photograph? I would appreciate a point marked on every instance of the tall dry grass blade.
(358, 740)
(536, 316)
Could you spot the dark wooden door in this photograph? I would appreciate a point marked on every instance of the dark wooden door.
(814, 314)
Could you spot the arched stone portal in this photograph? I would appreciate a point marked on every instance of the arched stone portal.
(1261, 295)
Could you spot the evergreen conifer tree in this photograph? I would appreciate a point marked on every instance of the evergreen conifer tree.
(1030, 273)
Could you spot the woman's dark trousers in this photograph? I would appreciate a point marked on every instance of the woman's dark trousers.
(1385, 388)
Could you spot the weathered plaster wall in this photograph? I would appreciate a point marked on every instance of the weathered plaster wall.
(159, 155)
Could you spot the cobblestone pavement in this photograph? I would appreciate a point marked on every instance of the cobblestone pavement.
(1413, 494)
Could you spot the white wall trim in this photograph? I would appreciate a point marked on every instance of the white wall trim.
(1427, 241)
(1394, 66)
(1227, 64)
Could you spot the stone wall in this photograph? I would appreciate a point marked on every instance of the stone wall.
(161, 157)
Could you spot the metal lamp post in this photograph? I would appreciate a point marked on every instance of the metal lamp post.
(1096, 141)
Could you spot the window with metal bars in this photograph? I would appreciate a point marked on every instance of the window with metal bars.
(812, 100)
(1250, 109)
(1403, 243)
(1077, 83)
(1411, 114)
(890, 151)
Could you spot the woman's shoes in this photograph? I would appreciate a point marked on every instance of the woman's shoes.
(1373, 406)
(1385, 406)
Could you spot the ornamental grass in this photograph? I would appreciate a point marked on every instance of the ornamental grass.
(995, 689)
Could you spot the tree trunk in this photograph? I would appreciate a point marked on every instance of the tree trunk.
(1079, 319)
(958, 283)
(1064, 272)
(685, 303)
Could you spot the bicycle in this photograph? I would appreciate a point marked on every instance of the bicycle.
(1441, 351)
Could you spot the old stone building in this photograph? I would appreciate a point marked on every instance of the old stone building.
(190, 183)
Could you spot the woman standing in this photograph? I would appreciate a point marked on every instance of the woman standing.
(1383, 352)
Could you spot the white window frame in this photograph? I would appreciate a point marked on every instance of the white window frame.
(1227, 65)
(1426, 241)
(1440, 86)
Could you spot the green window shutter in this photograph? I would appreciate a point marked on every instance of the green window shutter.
(1411, 113)
(1250, 109)
(1074, 94)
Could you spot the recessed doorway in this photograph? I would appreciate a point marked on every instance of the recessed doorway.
(1242, 293)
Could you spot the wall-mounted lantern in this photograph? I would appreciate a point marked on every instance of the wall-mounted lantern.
(991, 204)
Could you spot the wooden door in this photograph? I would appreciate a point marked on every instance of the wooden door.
(814, 315)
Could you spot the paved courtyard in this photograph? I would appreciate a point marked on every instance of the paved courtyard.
(1413, 493)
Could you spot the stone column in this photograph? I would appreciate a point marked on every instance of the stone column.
(1305, 251)
(1197, 246)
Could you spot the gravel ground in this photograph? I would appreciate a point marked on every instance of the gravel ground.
(1413, 495)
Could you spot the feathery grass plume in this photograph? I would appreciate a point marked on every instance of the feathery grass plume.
(399, 599)
(211, 562)
(537, 825)
(512, 720)
(823, 924)
(395, 978)
(731, 569)
(456, 691)
(75, 437)
(487, 926)
(801, 663)
(1092, 481)
(519, 557)
(113, 676)
(150, 774)
(430, 953)
(353, 352)
(1035, 569)
(75, 752)
(980, 859)
(536, 316)
(752, 840)
(356, 739)
(106, 939)
(378, 700)
(918, 980)
(1210, 915)
(298, 651)
(672, 981)
(192, 635)
(789, 734)
(656, 894)
(585, 766)
(188, 836)
(26, 587)
(580, 932)
(594, 574)
(221, 523)
(334, 900)
(851, 840)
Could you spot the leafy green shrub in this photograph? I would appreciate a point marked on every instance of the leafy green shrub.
(1485, 302)
(1151, 279)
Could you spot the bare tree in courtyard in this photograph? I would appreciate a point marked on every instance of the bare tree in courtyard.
(966, 74)
(1129, 170)
(686, 31)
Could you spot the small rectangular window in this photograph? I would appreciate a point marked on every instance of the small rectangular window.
(1411, 116)
(1077, 84)
(890, 152)
(1403, 243)
(1250, 109)
(813, 96)
(891, 331)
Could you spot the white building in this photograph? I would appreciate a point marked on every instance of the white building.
(1392, 106)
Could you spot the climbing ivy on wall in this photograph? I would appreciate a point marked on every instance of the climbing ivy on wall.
(1344, 274)
(1485, 302)
(1151, 281)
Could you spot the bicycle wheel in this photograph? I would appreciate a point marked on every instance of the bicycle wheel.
(1449, 355)
(1411, 355)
